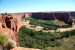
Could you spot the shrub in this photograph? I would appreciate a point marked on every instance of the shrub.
(3, 39)
(50, 28)
(68, 33)
(10, 44)
(6, 44)
(66, 26)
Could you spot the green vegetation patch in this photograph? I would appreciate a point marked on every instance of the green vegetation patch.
(67, 34)
(68, 44)
(34, 39)
(3, 39)
(45, 23)
(41, 22)
(37, 39)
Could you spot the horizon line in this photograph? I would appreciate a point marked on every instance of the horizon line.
(36, 11)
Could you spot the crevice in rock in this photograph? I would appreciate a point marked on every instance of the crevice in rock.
(3, 26)
(13, 28)
(8, 22)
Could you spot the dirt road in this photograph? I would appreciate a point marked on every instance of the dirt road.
(66, 29)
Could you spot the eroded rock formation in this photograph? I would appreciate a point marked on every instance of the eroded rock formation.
(10, 24)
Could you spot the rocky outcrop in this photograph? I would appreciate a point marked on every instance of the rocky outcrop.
(10, 24)
(73, 14)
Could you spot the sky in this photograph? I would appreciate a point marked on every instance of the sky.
(36, 5)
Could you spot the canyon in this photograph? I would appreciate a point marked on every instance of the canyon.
(11, 22)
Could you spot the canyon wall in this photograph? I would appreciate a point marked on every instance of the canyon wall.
(62, 16)
(10, 24)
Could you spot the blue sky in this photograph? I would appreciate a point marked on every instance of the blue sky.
(36, 5)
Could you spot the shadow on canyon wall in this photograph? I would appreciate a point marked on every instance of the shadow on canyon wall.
(62, 16)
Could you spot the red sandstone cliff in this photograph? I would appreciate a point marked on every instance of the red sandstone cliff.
(10, 24)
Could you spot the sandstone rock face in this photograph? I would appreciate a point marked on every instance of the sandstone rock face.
(10, 24)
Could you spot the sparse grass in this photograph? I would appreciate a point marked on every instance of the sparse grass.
(68, 44)
(3, 39)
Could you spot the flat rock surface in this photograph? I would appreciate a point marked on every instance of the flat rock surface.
(22, 48)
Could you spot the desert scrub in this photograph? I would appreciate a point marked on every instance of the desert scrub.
(42, 22)
(67, 45)
(68, 34)
(5, 43)
(36, 39)
(45, 23)
(10, 44)
(3, 39)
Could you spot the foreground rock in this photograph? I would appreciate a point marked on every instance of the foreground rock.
(10, 24)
